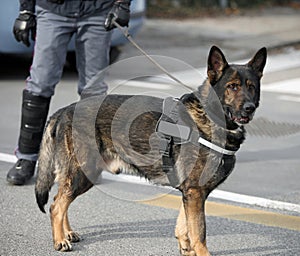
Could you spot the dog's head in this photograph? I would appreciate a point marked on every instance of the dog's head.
(237, 86)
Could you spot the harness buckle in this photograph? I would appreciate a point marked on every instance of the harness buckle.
(164, 146)
(178, 131)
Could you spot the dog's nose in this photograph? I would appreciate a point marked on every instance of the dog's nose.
(249, 107)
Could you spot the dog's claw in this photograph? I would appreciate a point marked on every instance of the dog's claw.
(73, 237)
(187, 252)
(63, 246)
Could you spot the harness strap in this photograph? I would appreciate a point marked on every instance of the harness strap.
(168, 164)
(167, 134)
(170, 127)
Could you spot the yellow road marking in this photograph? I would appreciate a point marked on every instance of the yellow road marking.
(233, 212)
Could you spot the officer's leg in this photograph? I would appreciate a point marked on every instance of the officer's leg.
(92, 53)
(45, 73)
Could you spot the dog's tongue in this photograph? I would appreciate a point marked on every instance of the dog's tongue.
(242, 120)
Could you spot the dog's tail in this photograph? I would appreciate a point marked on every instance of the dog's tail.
(45, 174)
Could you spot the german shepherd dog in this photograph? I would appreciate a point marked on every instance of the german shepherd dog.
(67, 154)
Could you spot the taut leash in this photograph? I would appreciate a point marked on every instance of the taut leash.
(125, 32)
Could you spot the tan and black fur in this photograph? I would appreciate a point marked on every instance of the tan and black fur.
(67, 155)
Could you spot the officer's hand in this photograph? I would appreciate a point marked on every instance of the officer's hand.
(119, 13)
(25, 25)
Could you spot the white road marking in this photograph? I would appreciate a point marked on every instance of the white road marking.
(145, 84)
(284, 61)
(291, 86)
(279, 62)
(289, 98)
(253, 200)
(8, 158)
(218, 194)
(195, 77)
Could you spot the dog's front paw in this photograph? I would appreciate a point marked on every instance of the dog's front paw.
(63, 246)
(187, 252)
(237, 136)
(73, 237)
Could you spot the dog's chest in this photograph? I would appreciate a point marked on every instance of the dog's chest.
(224, 169)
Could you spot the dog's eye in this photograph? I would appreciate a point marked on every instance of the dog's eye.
(233, 87)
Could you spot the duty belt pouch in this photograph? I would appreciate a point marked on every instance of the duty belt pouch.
(56, 1)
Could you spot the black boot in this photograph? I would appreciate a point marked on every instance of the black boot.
(21, 172)
(34, 115)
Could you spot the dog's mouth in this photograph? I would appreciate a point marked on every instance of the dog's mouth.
(239, 118)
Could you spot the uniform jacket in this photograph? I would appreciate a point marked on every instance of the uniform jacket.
(70, 8)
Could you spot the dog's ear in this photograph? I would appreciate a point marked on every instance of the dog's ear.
(258, 62)
(216, 64)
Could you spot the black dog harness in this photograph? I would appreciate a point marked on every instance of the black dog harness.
(173, 130)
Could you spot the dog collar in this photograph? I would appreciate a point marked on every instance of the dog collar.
(215, 147)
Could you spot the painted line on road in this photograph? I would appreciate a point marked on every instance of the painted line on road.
(255, 201)
(279, 62)
(217, 194)
(144, 84)
(8, 158)
(286, 86)
(195, 76)
(289, 98)
(233, 212)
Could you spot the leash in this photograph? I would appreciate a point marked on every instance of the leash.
(125, 32)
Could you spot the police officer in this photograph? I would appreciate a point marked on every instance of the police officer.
(52, 23)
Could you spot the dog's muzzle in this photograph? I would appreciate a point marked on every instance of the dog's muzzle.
(244, 116)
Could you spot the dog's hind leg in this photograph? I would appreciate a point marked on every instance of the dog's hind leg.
(68, 190)
(83, 185)
(181, 233)
(194, 202)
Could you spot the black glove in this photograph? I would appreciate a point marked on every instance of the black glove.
(24, 25)
(119, 13)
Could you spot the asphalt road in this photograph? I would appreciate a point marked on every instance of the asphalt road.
(111, 226)
(128, 217)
